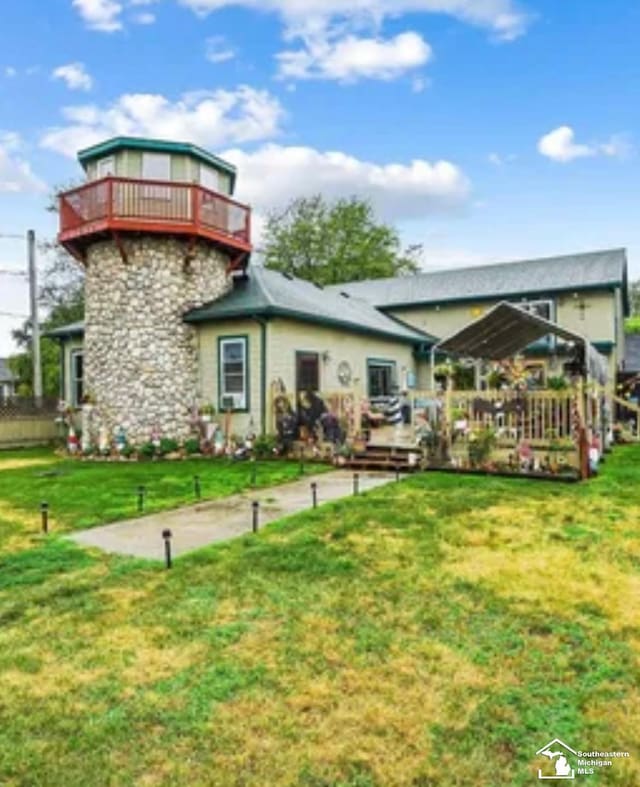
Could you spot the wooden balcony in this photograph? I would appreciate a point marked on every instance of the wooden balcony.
(116, 206)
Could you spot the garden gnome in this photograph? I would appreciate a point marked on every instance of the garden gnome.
(120, 440)
(103, 440)
(155, 437)
(218, 442)
(251, 435)
(72, 441)
(525, 453)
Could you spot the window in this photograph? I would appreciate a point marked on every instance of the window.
(542, 309)
(105, 167)
(380, 378)
(77, 377)
(232, 363)
(307, 372)
(156, 166)
(209, 178)
(545, 310)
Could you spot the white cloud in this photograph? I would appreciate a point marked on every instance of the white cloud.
(502, 17)
(341, 39)
(419, 84)
(272, 175)
(74, 75)
(16, 174)
(560, 145)
(10, 72)
(100, 15)
(350, 58)
(499, 160)
(217, 50)
(144, 18)
(209, 118)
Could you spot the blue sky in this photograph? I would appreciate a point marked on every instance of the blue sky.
(484, 129)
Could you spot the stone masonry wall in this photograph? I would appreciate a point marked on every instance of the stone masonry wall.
(140, 357)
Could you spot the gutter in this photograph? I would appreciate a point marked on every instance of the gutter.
(262, 322)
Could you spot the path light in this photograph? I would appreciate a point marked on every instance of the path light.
(255, 510)
(166, 535)
(141, 494)
(314, 494)
(196, 487)
(397, 472)
(356, 484)
(254, 473)
(44, 511)
(301, 461)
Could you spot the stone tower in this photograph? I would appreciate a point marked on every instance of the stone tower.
(158, 234)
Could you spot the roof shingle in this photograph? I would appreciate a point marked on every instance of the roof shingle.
(267, 292)
(503, 280)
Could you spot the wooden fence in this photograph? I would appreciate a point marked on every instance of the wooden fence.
(27, 421)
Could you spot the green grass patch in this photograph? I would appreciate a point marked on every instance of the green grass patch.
(434, 632)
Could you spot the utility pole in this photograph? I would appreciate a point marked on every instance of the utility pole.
(35, 325)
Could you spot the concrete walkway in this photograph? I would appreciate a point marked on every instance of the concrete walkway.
(219, 520)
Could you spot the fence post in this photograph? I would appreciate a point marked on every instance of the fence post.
(448, 398)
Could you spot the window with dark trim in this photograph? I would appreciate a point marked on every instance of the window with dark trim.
(232, 363)
(307, 372)
(77, 377)
(542, 309)
(380, 378)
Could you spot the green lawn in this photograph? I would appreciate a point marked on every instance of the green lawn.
(83, 494)
(435, 632)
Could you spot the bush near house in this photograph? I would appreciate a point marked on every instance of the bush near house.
(435, 632)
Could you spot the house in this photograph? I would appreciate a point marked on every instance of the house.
(584, 293)
(8, 380)
(177, 317)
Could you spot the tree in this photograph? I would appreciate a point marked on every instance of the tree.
(632, 324)
(634, 297)
(61, 296)
(333, 243)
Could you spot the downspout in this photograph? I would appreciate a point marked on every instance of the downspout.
(432, 364)
(62, 347)
(263, 373)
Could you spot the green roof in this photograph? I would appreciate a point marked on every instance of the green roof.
(574, 272)
(155, 146)
(67, 331)
(269, 293)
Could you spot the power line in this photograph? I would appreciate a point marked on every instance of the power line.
(7, 272)
(12, 235)
(13, 314)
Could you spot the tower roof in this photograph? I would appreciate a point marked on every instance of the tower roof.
(155, 146)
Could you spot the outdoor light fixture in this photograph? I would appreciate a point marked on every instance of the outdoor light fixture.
(166, 535)
(44, 510)
(255, 506)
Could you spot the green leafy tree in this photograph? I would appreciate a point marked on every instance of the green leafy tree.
(61, 297)
(632, 324)
(331, 243)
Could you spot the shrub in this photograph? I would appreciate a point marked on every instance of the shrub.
(557, 383)
(148, 450)
(127, 450)
(265, 445)
(167, 446)
(481, 444)
(192, 446)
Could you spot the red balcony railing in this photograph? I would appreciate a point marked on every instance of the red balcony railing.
(124, 204)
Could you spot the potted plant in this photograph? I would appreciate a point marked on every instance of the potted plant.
(481, 444)
(206, 412)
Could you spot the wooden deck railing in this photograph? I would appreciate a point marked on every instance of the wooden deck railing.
(125, 203)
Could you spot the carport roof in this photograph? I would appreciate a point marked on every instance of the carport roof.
(503, 331)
